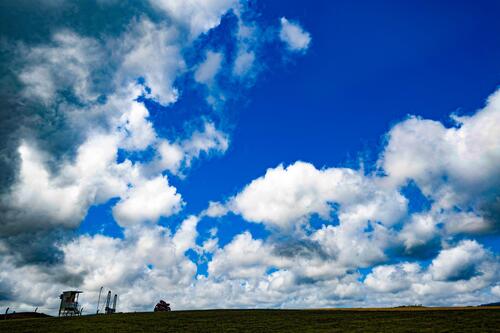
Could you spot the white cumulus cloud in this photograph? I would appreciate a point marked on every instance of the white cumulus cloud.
(284, 197)
(294, 36)
(147, 202)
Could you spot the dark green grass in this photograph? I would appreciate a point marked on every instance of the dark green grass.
(476, 320)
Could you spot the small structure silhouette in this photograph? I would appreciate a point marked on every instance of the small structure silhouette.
(69, 303)
(162, 306)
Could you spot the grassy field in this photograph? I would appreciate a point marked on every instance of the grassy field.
(352, 320)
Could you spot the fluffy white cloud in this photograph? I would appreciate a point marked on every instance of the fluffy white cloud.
(176, 156)
(274, 267)
(465, 222)
(284, 197)
(392, 278)
(37, 194)
(184, 238)
(170, 157)
(210, 139)
(352, 246)
(459, 263)
(461, 274)
(294, 36)
(215, 209)
(425, 228)
(455, 167)
(147, 201)
(421, 229)
(137, 130)
(63, 198)
(151, 52)
(244, 257)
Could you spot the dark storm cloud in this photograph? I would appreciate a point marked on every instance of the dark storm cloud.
(424, 251)
(25, 25)
(30, 22)
(11, 117)
(466, 272)
(5, 292)
(62, 276)
(36, 247)
(491, 212)
(299, 248)
(28, 32)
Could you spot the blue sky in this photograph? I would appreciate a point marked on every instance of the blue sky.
(367, 68)
(315, 154)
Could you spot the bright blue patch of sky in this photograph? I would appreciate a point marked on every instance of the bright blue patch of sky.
(135, 156)
(363, 272)
(369, 66)
(271, 270)
(491, 242)
(419, 202)
(317, 222)
(99, 220)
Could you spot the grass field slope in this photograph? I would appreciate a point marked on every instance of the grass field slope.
(351, 320)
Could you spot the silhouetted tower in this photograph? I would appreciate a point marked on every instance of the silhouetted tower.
(108, 300)
(114, 303)
(109, 309)
(69, 303)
